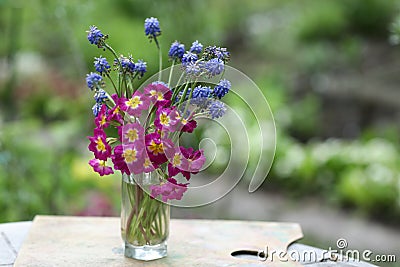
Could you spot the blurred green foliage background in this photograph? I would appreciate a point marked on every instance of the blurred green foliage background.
(326, 67)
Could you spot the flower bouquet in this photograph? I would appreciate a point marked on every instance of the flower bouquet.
(138, 127)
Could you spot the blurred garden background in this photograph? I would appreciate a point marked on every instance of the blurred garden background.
(329, 69)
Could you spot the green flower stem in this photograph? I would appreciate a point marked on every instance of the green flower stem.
(183, 95)
(110, 98)
(177, 88)
(147, 220)
(190, 97)
(159, 58)
(113, 52)
(119, 92)
(170, 72)
(115, 87)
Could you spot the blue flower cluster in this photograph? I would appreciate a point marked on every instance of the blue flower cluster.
(152, 27)
(189, 57)
(94, 80)
(222, 88)
(101, 65)
(95, 36)
(177, 50)
(141, 67)
(214, 66)
(216, 109)
(211, 62)
(100, 96)
(96, 109)
(196, 47)
(201, 92)
(216, 52)
(197, 61)
(129, 66)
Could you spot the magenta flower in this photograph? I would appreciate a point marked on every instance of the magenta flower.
(166, 119)
(196, 159)
(190, 162)
(142, 164)
(169, 190)
(101, 120)
(134, 105)
(156, 146)
(159, 94)
(131, 133)
(176, 162)
(98, 145)
(119, 160)
(133, 155)
(115, 113)
(100, 167)
(187, 126)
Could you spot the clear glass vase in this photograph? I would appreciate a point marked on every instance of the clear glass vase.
(144, 220)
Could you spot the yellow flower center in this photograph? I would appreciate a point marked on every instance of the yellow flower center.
(116, 110)
(153, 92)
(102, 163)
(103, 120)
(160, 96)
(176, 160)
(164, 119)
(100, 145)
(147, 163)
(129, 155)
(134, 102)
(156, 148)
(132, 135)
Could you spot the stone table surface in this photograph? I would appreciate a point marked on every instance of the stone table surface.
(96, 241)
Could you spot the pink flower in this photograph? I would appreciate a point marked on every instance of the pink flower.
(131, 133)
(119, 160)
(166, 119)
(155, 148)
(100, 167)
(188, 126)
(185, 124)
(169, 190)
(101, 120)
(196, 159)
(98, 145)
(176, 161)
(192, 161)
(159, 94)
(134, 105)
(145, 164)
(131, 158)
(115, 113)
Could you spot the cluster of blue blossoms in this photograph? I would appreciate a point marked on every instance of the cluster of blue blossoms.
(210, 62)
(207, 98)
(197, 61)
(128, 66)
(125, 65)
